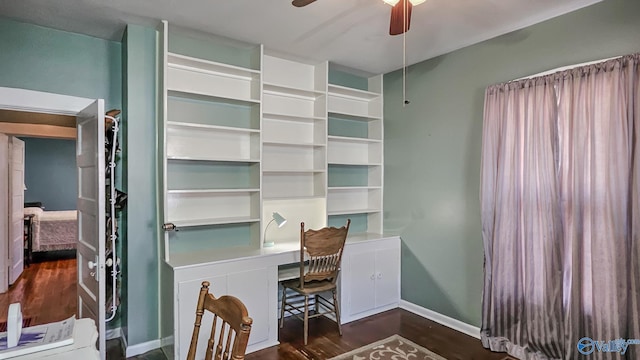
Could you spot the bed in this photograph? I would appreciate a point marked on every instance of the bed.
(53, 230)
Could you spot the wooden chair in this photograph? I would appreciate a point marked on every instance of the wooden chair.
(232, 331)
(324, 253)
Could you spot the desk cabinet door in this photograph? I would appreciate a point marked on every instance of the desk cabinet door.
(362, 282)
(252, 288)
(187, 300)
(387, 276)
(371, 279)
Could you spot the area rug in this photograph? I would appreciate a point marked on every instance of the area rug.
(392, 348)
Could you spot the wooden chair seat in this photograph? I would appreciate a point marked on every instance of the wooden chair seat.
(311, 287)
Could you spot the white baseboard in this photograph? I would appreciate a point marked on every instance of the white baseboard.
(142, 348)
(452, 323)
(167, 341)
(113, 333)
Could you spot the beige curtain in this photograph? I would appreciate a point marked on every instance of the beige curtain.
(560, 200)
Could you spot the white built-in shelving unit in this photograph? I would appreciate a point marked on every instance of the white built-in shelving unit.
(355, 154)
(294, 129)
(246, 133)
(245, 130)
(212, 147)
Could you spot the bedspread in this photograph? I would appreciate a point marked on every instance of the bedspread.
(53, 230)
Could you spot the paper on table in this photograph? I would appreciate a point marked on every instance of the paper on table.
(39, 337)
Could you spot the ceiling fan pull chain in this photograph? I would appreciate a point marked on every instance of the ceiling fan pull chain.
(405, 102)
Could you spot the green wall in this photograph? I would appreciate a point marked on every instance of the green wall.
(43, 59)
(48, 60)
(141, 290)
(50, 173)
(432, 146)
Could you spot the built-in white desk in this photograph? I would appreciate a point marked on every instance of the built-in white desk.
(369, 283)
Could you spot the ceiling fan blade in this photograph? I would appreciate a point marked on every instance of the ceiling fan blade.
(301, 3)
(397, 25)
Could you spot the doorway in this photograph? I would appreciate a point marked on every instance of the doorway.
(47, 285)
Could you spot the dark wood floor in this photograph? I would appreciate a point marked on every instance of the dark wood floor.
(47, 293)
(325, 342)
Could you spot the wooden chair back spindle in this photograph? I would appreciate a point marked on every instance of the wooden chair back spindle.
(324, 252)
(230, 335)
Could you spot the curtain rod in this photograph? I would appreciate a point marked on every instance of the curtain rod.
(563, 68)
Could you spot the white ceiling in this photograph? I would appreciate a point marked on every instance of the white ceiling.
(352, 33)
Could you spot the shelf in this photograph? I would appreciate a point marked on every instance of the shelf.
(188, 95)
(301, 197)
(294, 184)
(211, 191)
(203, 83)
(212, 207)
(212, 175)
(353, 139)
(354, 163)
(192, 141)
(343, 91)
(213, 221)
(292, 143)
(211, 127)
(285, 117)
(348, 188)
(203, 96)
(207, 66)
(292, 171)
(211, 159)
(343, 116)
(352, 211)
(293, 106)
(283, 90)
(355, 116)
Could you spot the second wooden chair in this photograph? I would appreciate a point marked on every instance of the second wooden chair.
(230, 335)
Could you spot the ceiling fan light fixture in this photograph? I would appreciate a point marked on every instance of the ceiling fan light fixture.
(394, 2)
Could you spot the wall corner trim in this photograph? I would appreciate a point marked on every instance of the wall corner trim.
(449, 322)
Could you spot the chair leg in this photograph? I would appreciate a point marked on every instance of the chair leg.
(316, 306)
(284, 301)
(337, 309)
(306, 318)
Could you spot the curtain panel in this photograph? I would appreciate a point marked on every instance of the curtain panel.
(560, 194)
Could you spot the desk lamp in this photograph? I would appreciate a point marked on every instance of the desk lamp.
(280, 221)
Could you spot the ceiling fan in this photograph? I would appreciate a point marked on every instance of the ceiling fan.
(399, 13)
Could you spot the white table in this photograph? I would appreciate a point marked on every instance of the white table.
(85, 335)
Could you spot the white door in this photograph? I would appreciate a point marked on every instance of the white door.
(90, 161)
(4, 213)
(16, 208)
